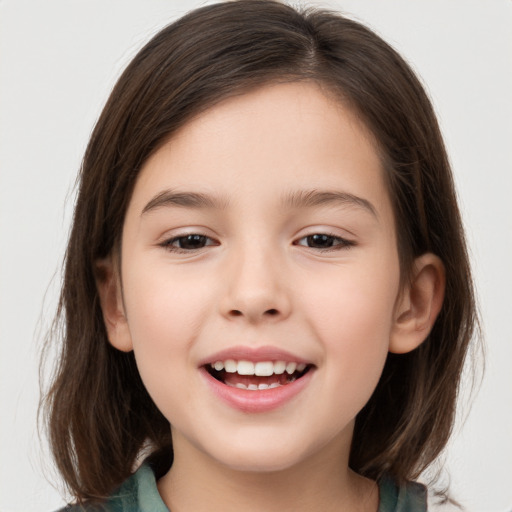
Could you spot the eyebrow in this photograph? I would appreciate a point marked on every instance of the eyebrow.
(295, 199)
(184, 199)
(312, 198)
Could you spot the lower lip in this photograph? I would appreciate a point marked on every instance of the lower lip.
(254, 401)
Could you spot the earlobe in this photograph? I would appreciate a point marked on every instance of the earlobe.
(419, 304)
(109, 290)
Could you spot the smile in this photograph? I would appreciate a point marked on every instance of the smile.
(256, 380)
(257, 376)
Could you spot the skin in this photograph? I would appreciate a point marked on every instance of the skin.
(259, 281)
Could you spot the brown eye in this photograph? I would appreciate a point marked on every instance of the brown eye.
(320, 241)
(191, 242)
(324, 241)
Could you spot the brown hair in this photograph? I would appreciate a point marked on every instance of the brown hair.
(99, 414)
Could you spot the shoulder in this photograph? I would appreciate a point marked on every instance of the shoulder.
(408, 497)
(138, 493)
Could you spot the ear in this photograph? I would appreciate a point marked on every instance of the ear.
(418, 305)
(108, 283)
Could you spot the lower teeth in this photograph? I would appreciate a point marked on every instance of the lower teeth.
(257, 387)
(276, 382)
(254, 387)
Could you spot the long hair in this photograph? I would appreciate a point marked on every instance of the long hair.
(99, 415)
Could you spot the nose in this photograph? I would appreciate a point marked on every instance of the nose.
(256, 288)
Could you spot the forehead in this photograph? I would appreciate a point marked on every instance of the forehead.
(278, 138)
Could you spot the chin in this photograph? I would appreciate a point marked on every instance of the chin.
(259, 457)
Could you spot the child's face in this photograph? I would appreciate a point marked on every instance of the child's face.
(293, 259)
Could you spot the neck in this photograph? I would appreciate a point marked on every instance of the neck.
(323, 482)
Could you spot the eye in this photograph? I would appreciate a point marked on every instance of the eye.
(190, 242)
(324, 241)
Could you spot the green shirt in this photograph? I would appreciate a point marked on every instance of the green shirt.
(139, 493)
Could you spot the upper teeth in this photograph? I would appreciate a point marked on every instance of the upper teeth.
(261, 368)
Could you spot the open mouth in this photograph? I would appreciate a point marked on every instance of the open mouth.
(259, 375)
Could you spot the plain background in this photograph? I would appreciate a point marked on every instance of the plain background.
(58, 62)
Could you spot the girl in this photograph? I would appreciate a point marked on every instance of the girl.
(267, 297)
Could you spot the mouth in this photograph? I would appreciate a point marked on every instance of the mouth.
(257, 376)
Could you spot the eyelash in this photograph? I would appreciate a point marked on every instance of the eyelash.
(169, 244)
(337, 243)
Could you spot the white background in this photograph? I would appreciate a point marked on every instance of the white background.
(58, 62)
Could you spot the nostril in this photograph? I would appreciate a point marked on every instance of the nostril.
(269, 312)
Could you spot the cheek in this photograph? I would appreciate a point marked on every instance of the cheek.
(164, 307)
(353, 302)
(164, 315)
(354, 319)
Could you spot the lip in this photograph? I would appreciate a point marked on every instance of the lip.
(255, 401)
(256, 354)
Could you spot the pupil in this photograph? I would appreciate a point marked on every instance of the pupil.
(320, 241)
(192, 241)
